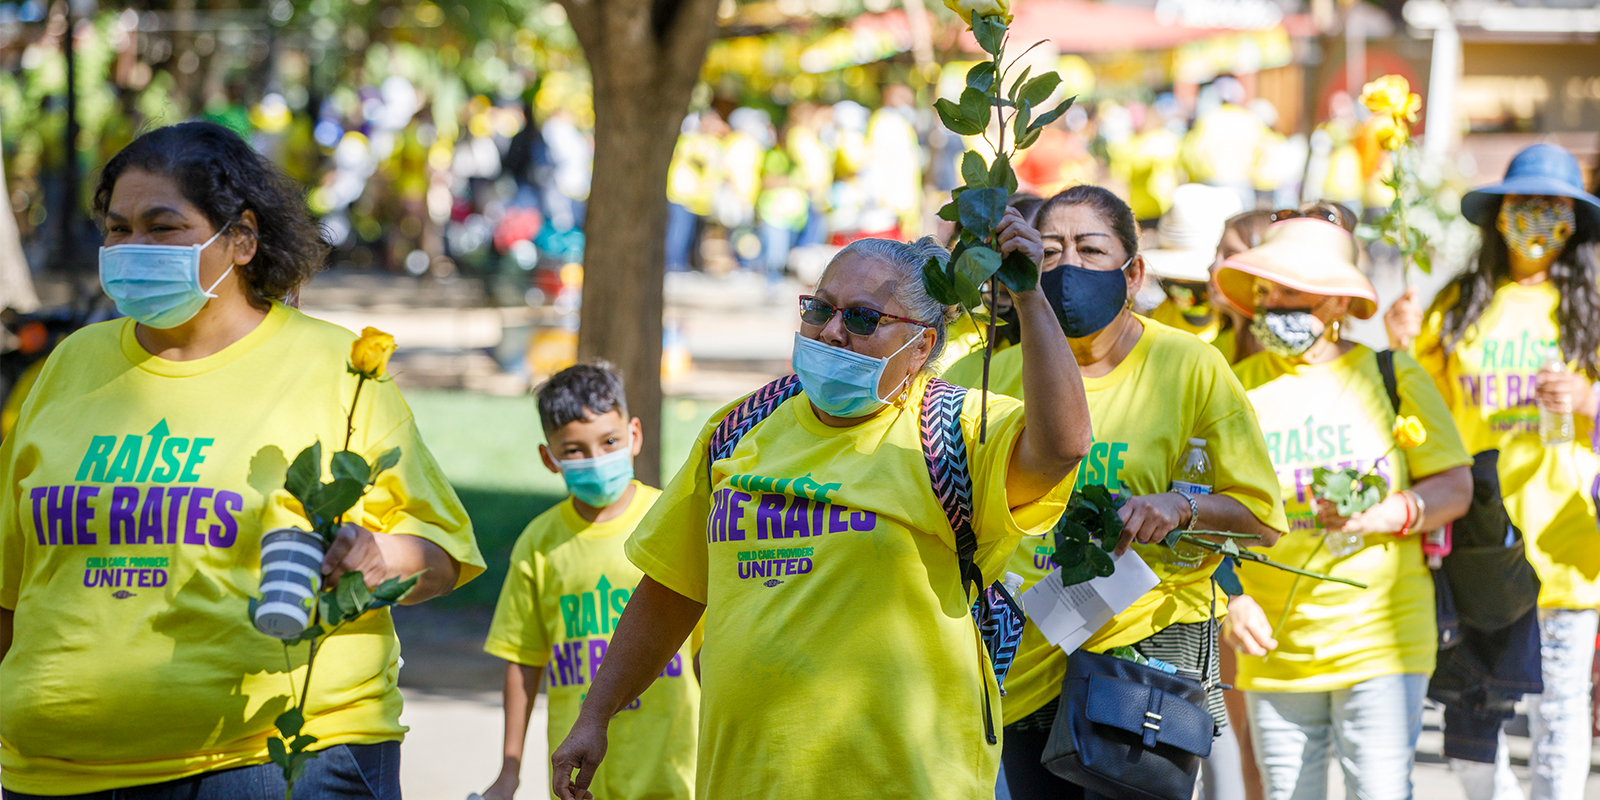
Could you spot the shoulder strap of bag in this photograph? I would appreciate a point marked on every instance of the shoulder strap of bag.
(945, 447)
(1390, 383)
(747, 415)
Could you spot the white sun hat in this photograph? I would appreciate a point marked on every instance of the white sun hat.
(1189, 232)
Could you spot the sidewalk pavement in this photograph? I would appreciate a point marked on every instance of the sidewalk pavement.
(453, 749)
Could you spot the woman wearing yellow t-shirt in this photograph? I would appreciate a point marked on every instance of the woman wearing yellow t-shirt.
(840, 659)
(1325, 665)
(1518, 334)
(1151, 391)
(146, 464)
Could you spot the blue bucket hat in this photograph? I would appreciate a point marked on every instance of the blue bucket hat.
(1540, 169)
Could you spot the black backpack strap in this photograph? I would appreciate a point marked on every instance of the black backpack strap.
(747, 415)
(1390, 382)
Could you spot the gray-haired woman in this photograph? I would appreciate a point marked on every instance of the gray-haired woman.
(840, 658)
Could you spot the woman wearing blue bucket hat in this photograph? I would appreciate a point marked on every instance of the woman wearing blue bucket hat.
(1518, 336)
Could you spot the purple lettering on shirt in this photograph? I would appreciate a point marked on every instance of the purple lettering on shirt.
(735, 514)
(197, 513)
(150, 516)
(37, 495)
(225, 505)
(769, 516)
(175, 495)
(124, 508)
(58, 510)
(796, 522)
(597, 653)
(85, 513)
(863, 520)
(836, 523)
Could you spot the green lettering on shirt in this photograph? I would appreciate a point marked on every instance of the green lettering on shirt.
(96, 459)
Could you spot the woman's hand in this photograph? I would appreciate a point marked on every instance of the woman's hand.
(379, 557)
(582, 750)
(1247, 629)
(1403, 320)
(1388, 516)
(1566, 391)
(1015, 235)
(1150, 518)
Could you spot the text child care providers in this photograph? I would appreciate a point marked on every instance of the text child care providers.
(1152, 390)
(841, 658)
(145, 467)
(1349, 667)
(568, 585)
(1512, 339)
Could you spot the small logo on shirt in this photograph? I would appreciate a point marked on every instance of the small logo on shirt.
(771, 583)
(122, 594)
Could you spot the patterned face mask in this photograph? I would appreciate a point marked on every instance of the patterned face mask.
(1537, 226)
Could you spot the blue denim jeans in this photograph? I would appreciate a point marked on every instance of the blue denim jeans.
(1372, 727)
(341, 772)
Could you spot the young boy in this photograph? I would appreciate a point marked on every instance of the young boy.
(568, 584)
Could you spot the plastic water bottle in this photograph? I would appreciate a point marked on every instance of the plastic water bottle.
(1194, 477)
(1342, 543)
(1555, 427)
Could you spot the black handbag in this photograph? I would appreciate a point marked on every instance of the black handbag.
(1126, 730)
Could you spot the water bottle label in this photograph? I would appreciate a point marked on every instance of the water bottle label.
(1189, 488)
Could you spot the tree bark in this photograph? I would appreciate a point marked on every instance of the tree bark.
(16, 282)
(644, 57)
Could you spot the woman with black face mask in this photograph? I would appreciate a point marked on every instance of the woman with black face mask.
(1154, 392)
(1325, 666)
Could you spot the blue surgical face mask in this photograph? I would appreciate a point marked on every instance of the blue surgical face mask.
(1085, 300)
(602, 480)
(841, 382)
(157, 285)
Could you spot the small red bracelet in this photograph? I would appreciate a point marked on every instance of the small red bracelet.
(1405, 530)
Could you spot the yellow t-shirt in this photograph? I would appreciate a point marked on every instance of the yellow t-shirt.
(568, 584)
(1488, 382)
(136, 493)
(969, 370)
(1335, 415)
(1212, 332)
(840, 658)
(1172, 387)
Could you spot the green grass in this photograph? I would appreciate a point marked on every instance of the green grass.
(488, 447)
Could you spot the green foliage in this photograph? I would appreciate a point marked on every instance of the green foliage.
(289, 752)
(1349, 491)
(981, 210)
(1228, 581)
(969, 117)
(981, 76)
(325, 504)
(990, 33)
(1086, 534)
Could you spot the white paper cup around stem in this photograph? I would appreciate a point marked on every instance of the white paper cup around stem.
(291, 568)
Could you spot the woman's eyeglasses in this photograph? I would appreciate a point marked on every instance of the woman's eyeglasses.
(858, 321)
(1324, 214)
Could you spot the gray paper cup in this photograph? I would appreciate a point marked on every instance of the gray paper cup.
(291, 568)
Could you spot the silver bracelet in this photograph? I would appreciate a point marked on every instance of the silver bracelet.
(1194, 509)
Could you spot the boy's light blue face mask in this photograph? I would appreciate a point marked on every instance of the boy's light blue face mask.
(602, 480)
(157, 285)
(841, 382)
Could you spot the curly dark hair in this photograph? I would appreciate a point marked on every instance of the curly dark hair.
(224, 177)
(1576, 275)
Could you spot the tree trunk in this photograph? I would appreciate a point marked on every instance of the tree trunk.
(644, 57)
(16, 282)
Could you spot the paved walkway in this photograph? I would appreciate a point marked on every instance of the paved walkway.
(454, 749)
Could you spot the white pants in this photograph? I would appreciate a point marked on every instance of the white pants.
(1560, 720)
(1372, 727)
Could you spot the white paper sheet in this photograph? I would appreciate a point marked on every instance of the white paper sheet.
(1069, 615)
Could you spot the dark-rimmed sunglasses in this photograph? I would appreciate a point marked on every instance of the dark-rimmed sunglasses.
(858, 321)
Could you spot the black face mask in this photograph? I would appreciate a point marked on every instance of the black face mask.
(1288, 332)
(1085, 300)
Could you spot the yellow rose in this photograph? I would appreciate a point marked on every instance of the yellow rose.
(1409, 433)
(1391, 96)
(1391, 133)
(369, 355)
(983, 8)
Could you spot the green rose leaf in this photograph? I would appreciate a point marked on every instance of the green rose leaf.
(940, 287)
(981, 76)
(1001, 174)
(278, 753)
(1083, 573)
(976, 264)
(333, 499)
(1228, 579)
(1018, 272)
(386, 461)
(250, 609)
(1028, 140)
(1016, 86)
(290, 722)
(303, 741)
(305, 474)
(981, 210)
(1019, 123)
(349, 465)
(971, 296)
(950, 115)
(974, 171)
(1100, 561)
(950, 212)
(353, 595)
(309, 634)
(1053, 114)
(1038, 90)
(990, 33)
(391, 591)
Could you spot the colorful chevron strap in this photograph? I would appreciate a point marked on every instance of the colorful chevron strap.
(748, 414)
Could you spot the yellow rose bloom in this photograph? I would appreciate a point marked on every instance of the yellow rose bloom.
(369, 355)
(983, 8)
(1391, 96)
(1391, 133)
(1409, 433)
